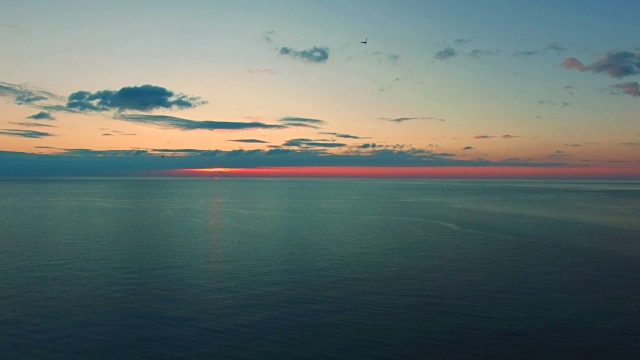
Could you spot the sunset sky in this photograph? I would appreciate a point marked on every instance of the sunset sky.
(157, 87)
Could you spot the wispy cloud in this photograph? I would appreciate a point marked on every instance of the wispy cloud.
(302, 122)
(31, 124)
(629, 88)
(186, 124)
(24, 94)
(445, 53)
(559, 154)
(384, 57)
(250, 141)
(616, 64)
(461, 41)
(42, 115)
(527, 53)
(140, 98)
(344, 136)
(478, 53)
(261, 71)
(301, 142)
(316, 54)
(403, 119)
(483, 136)
(553, 103)
(31, 134)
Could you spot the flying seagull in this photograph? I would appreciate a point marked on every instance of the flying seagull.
(364, 42)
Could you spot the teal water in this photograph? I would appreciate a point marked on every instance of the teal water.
(304, 268)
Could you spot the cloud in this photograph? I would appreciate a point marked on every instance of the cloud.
(344, 136)
(629, 88)
(505, 137)
(31, 134)
(468, 148)
(631, 144)
(616, 64)
(444, 54)
(384, 57)
(483, 137)
(558, 153)
(185, 124)
(461, 41)
(312, 143)
(573, 63)
(31, 124)
(24, 94)
(140, 98)
(89, 152)
(250, 141)
(268, 36)
(550, 47)
(261, 71)
(42, 115)
(302, 122)
(403, 119)
(478, 53)
(315, 54)
(128, 162)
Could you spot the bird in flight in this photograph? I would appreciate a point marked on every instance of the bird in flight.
(364, 42)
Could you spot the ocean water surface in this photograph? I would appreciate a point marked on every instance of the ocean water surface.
(319, 268)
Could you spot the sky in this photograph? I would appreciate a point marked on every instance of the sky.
(485, 88)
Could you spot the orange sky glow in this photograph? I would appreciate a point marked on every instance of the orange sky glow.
(411, 172)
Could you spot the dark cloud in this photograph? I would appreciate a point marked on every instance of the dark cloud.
(629, 88)
(86, 162)
(616, 64)
(42, 115)
(89, 152)
(444, 54)
(312, 143)
(468, 148)
(140, 98)
(631, 144)
(31, 124)
(403, 119)
(185, 124)
(251, 141)
(344, 136)
(507, 136)
(315, 54)
(31, 134)
(528, 53)
(189, 152)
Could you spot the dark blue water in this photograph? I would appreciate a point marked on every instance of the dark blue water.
(269, 268)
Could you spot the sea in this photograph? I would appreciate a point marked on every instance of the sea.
(228, 268)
